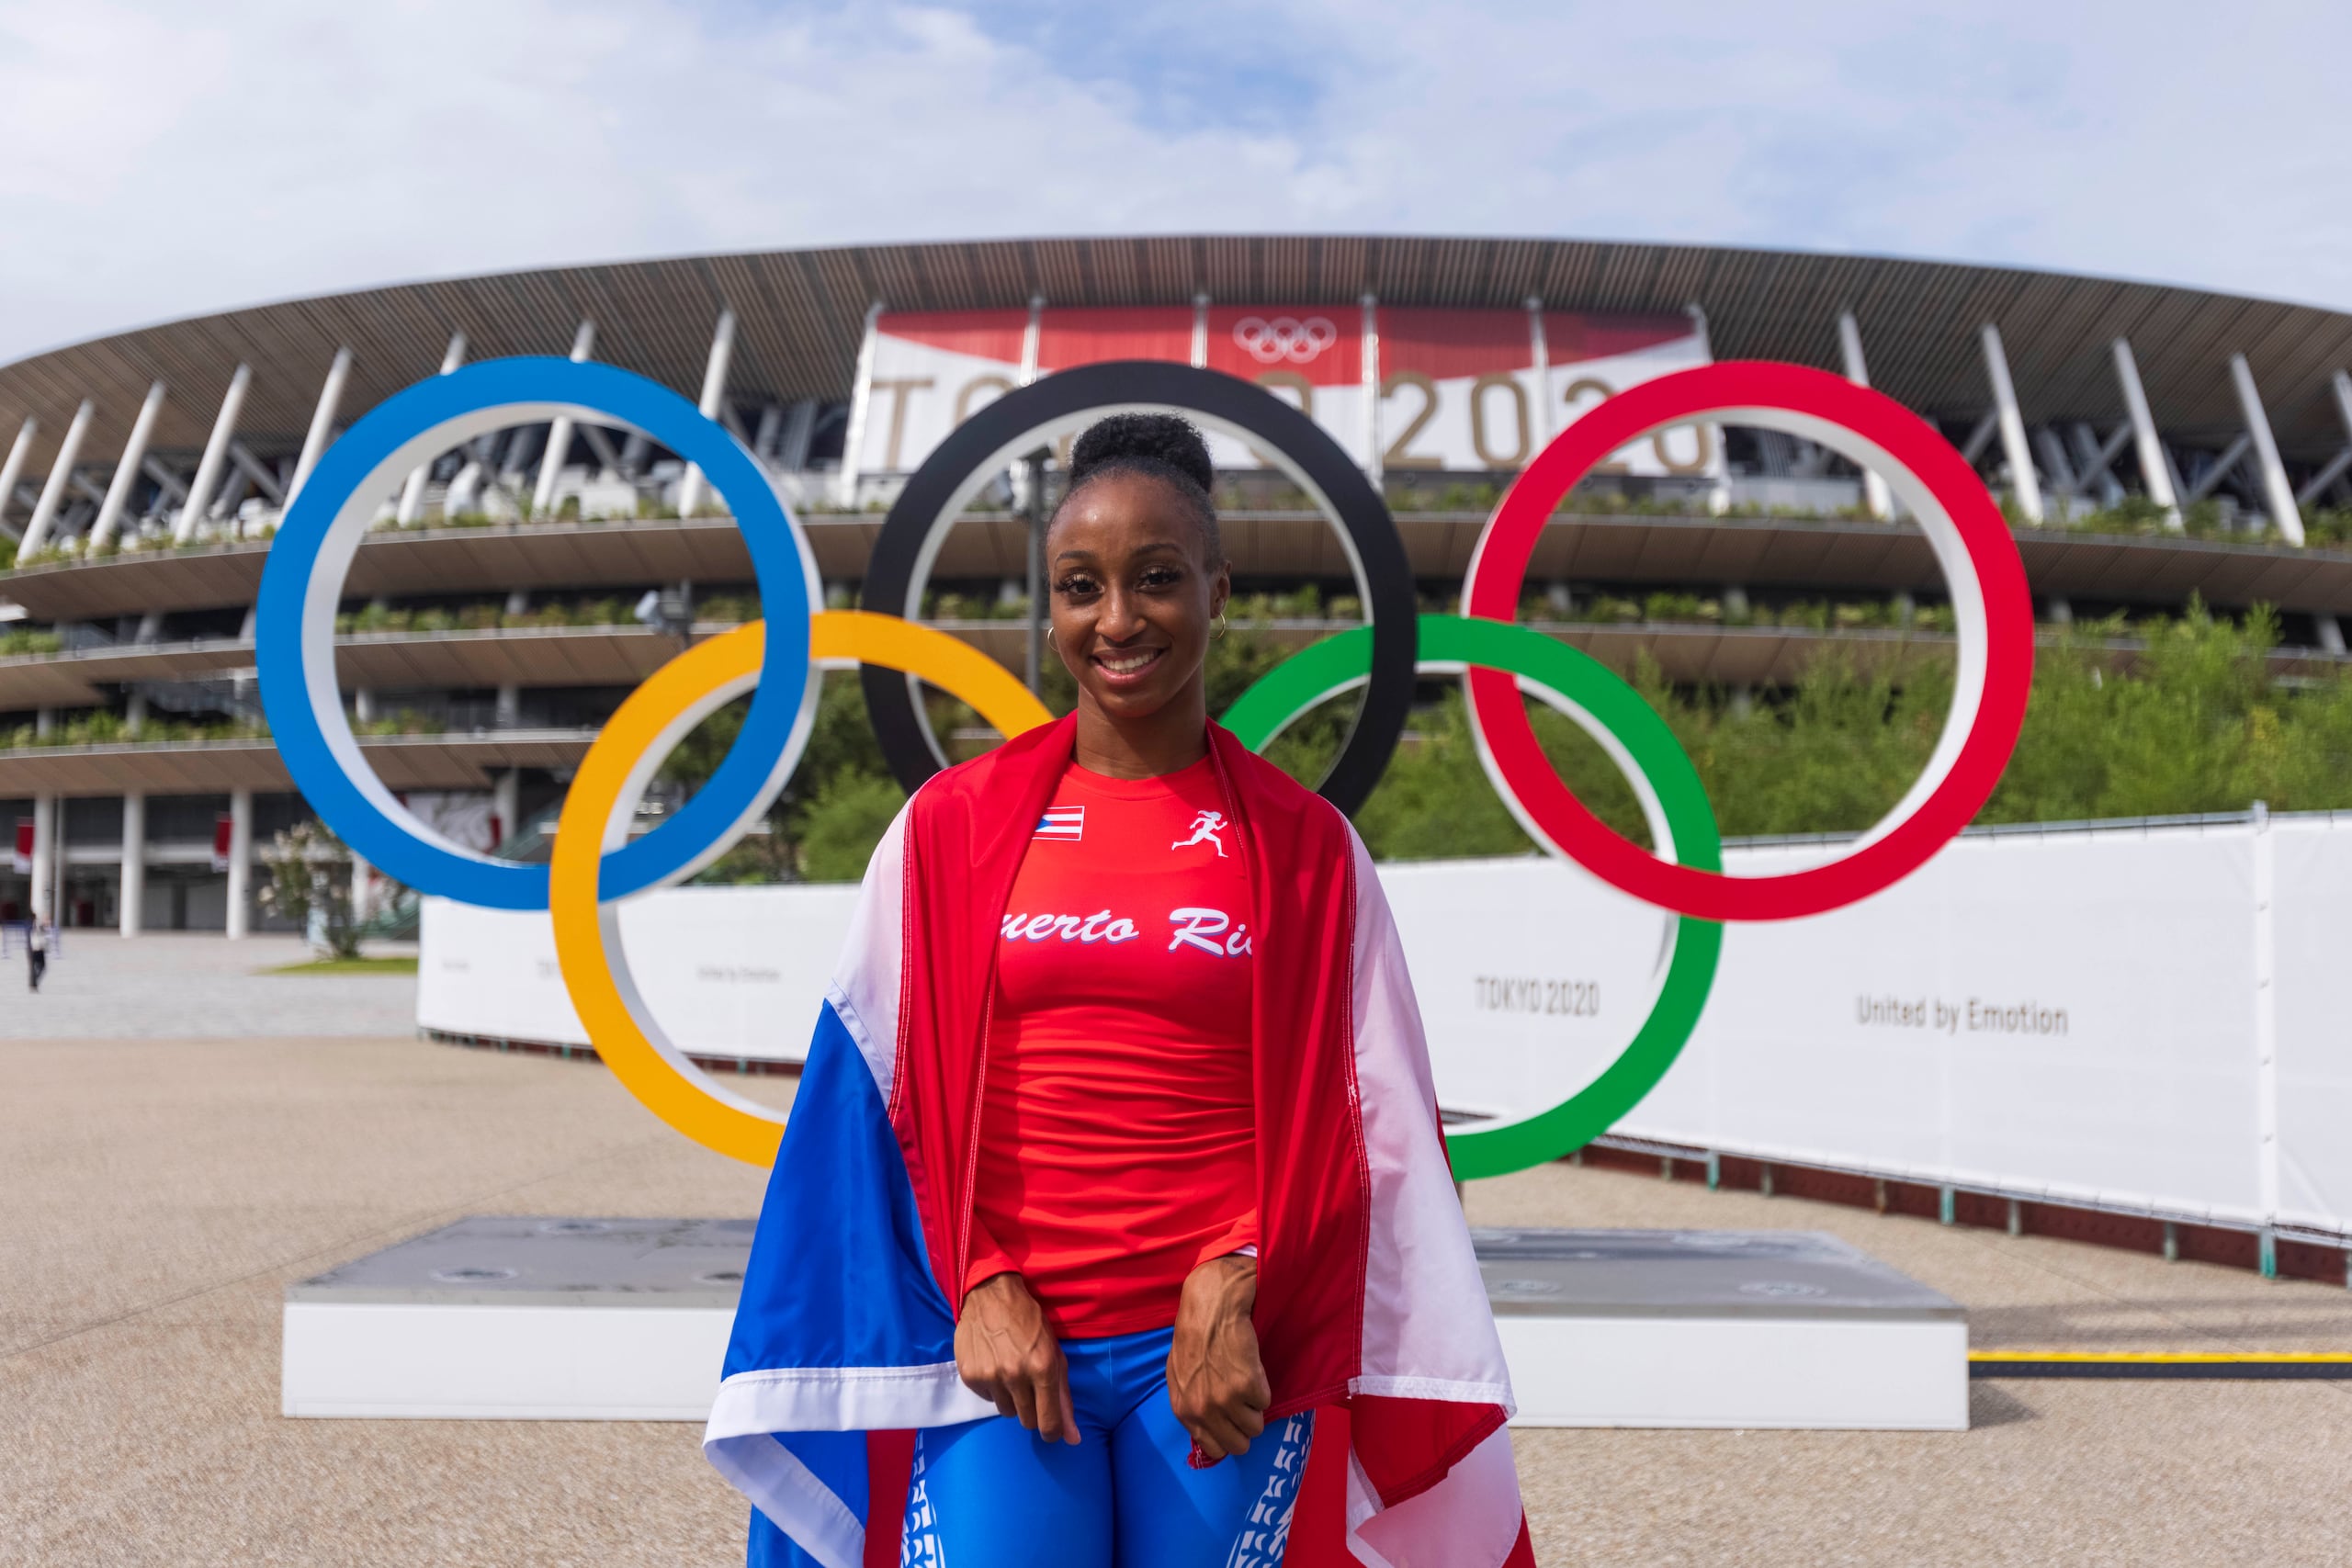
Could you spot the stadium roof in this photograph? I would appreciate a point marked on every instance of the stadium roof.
(801, 313)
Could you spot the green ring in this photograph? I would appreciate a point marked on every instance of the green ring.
(1330, 666)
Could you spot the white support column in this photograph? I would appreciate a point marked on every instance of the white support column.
(132, 902)
(1539, 350)
(714, 390)
(52, 488)
(1712, 433)
(215, 457)
(792, 448)
(1373, 463)
(2155, 469)
(2022, 481)
(583, 343)
(125, 472)
(1875, 495)
(363, 890)
(45, 857)
(861, 399)
(13, 469)
(413, 493)
(506, 798)
(322, 421)
(2277, 495)
(1030, 337)
(241, 861)
(771, 430)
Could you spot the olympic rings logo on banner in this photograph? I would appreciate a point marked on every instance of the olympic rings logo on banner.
(778, 660)
(1284, 337)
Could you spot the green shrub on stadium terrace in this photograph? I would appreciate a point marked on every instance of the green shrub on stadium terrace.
(2328, 525)
(403, 721)
(841, 823)
(2186, 717)
(19, 643)
(2194, 722)
(98, 726)
(728, 609)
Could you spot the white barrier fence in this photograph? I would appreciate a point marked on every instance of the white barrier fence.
(2154, 1018)
(729, 971)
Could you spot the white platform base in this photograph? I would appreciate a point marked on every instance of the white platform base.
(628, 1320)
(502, 1363)
(1720, 1328)
(1697, 1372)
(526, 1364)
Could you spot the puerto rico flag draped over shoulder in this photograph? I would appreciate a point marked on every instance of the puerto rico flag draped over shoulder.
(1370, 1310)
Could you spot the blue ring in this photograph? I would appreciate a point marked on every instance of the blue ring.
(772, 536)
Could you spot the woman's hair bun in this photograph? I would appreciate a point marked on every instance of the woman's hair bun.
(1141, 440)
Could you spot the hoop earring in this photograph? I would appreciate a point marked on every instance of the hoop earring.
(1219, 632)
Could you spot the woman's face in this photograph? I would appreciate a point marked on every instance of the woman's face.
(1132, 593)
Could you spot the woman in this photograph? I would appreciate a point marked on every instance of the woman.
(1114, 1179)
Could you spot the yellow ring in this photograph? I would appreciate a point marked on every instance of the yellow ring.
(604, 796)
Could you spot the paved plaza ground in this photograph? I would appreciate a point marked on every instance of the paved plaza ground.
(104, 986)
(156, 1195)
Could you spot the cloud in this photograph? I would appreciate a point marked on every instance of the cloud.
(157, 161)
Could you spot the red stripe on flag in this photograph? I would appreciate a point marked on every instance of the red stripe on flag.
(889, 1463)
(1318, 1521)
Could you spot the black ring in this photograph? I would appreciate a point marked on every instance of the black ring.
(920, 511)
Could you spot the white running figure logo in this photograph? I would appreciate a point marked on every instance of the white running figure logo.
(1206, 826)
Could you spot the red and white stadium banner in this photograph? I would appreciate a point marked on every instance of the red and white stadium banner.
(1399, 388)
(1485, 389)
(1588, 357)
(20, 855)
(1307, 354)
(928, 371)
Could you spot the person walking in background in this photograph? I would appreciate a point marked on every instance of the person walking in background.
(37, 949)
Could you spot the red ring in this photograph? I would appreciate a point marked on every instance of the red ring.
(1498, 571)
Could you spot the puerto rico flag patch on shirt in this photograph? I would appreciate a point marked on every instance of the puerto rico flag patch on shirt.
(1062, 822)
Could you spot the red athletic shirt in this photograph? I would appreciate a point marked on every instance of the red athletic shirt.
(1117, 1147)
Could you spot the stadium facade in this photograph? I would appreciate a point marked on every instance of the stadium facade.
(2151, 444)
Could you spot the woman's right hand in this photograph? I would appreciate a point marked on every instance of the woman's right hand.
(1006, 1354)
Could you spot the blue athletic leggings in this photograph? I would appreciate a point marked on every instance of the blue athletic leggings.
(991, 1493)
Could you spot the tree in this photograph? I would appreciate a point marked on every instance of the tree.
(309, 882)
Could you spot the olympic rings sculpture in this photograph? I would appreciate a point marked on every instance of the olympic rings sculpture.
(780, 661)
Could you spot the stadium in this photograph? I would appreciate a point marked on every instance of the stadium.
(2153, 447)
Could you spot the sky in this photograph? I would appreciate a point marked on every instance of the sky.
(158, 160)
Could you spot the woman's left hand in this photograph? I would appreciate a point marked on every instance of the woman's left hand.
(1215, 1381)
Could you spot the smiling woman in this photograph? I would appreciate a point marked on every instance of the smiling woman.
(1173, 1171)
(1139, 575)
